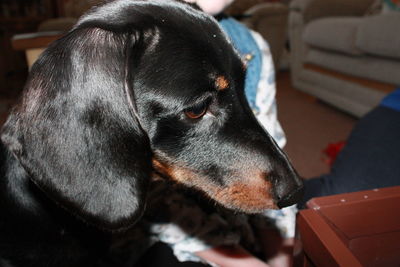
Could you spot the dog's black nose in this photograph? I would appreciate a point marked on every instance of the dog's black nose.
(288, 186)
(290, 198)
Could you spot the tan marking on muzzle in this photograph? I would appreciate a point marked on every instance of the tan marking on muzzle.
(247, 197)
(175, 173)
(222, 83)
(251, 194)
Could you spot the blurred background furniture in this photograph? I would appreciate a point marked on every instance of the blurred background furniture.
(341, 55)
(18, 17)
(33, 44)
(51, 29)
(353, 229)
(267, 18)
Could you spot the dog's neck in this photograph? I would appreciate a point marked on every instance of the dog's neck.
(24, 200)
(27, 211)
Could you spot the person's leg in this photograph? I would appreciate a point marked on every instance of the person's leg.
(370, 158)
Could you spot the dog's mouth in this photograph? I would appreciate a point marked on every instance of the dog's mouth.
(248, 198)
(252, 195)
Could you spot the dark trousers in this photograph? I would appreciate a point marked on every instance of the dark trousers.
(370, 158)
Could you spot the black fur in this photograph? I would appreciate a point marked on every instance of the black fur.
(105, 101)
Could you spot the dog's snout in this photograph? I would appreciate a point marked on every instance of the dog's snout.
(290, 198)
(288, 189)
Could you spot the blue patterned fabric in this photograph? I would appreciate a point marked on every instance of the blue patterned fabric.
(244, 43)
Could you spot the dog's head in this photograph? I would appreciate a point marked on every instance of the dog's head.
(137, 87)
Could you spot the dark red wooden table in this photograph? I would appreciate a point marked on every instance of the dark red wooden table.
(354, 229)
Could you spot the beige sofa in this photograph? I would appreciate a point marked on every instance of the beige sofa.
(342, 56)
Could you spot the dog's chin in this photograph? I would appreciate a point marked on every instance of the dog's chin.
(249, 208)
(254, 196)
(240, 198)
(245, 198)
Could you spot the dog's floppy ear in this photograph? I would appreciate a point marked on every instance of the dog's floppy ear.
(75, 130)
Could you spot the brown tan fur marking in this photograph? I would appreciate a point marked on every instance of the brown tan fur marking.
(252, 194)
(222, 83)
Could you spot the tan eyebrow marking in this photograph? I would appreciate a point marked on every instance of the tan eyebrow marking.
(222, 83)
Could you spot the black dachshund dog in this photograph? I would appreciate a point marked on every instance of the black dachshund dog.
(135, 88)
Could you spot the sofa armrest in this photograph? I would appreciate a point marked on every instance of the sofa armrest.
(34, 43)
(314, 9)
(34, 40)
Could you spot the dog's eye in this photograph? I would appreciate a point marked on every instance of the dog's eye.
(197, 111)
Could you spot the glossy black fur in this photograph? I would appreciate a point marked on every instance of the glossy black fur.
(104, 101)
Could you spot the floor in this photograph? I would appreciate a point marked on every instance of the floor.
(310, 126)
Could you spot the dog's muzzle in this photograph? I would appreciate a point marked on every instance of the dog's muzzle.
(290, 198)
(289, 192)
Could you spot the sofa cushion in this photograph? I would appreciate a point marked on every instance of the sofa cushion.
(369, 67)
(380, 35)
(314, 9)
(337, 34)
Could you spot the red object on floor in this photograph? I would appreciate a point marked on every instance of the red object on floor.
(332, 150)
